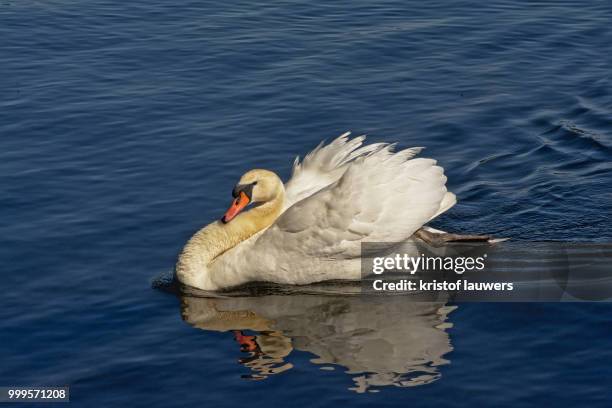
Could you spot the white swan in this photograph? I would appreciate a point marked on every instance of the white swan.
(311, 229)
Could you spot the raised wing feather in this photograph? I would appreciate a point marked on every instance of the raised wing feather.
(323, 166)
(381, 196)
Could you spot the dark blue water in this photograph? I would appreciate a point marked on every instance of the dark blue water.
(124, 125)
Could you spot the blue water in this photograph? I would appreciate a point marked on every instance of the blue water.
(124, 125)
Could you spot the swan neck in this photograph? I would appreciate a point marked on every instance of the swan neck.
(212, 241)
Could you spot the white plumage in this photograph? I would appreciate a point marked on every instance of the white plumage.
(379, 197)
(340, 195)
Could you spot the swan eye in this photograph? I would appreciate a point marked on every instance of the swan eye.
(254, 183)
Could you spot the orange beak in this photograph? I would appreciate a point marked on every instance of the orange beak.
(237, 205)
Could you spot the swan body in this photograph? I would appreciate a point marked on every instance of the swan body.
(311, 228)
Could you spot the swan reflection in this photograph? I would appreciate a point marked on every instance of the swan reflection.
(378, 340)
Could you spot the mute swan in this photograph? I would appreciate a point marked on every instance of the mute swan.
(311, 229)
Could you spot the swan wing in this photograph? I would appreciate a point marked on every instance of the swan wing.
(323, 166)
(381, 196)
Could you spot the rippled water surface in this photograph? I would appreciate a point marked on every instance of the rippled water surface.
(124, 125)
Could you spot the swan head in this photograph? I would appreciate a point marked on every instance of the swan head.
(255, 186)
